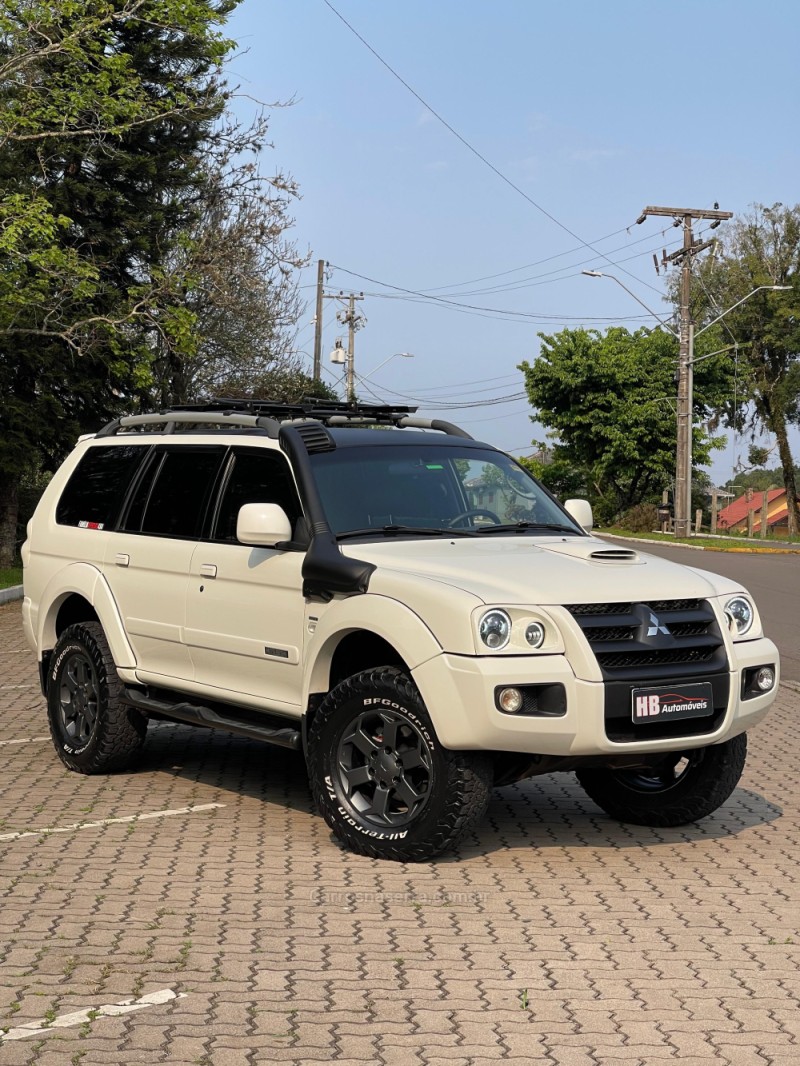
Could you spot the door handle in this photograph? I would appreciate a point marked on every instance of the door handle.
(122, 559)
(208, 570)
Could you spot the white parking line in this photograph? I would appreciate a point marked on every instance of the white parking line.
(111, 821)
(25, 740)
(78, 1017)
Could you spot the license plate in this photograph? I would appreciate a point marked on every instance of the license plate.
(669, 704)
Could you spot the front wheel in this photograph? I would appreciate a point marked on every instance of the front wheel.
(683, 787)
(380, 777)
(93, 730)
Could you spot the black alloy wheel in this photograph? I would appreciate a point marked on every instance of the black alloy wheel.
(384, 769)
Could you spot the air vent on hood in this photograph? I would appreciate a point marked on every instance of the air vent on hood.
(614, 555)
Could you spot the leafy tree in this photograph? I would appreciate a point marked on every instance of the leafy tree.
(610, 399)
(284, 382)
(762, 248)
(759, 480)
(243, 297)
(137, 238)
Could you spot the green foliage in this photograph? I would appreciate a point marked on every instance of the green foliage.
(760, 480)
(106, 111)
(278, 381)
(609, 398)
(643, 518)
(558, 475)
(761, 248)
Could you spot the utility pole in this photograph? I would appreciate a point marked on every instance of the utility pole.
(353, 322)
(683, 458)
(321, 264)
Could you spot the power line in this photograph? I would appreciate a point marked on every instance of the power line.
(527, 266)
(445, 301)
(519, 283)
(475, 151)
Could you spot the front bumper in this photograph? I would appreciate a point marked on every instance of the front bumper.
(458, 691)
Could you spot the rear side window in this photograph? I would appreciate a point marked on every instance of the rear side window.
(257, 476)
(172, 496)
(95, 492)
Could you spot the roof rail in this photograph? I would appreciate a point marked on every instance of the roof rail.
(267, 416)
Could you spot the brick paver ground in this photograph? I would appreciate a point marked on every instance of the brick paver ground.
(555, 935)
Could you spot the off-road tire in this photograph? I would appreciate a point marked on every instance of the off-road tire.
(92, 729)
(659, 798)
(430, 796)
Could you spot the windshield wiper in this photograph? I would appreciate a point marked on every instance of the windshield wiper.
(394, 531)
(521, 527)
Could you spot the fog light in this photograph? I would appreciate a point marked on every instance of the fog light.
(534, 635)
(765, 678)
(510, 700)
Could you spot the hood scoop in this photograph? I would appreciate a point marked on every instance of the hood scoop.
(614, 555)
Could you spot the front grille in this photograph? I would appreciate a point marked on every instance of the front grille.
(662, 639)
(612, 633)
(580, 609)
(620, 660)
(649, 643)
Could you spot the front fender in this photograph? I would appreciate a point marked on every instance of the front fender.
(87, 581)
(385, 617)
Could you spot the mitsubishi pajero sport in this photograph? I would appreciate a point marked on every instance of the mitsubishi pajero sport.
(404, 604)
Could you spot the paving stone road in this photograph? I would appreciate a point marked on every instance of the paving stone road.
(230, 929)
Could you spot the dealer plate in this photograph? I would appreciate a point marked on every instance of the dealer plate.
(671, 703)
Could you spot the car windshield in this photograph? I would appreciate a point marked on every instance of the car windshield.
(395, 490)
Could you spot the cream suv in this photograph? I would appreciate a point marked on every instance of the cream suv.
(404, 604)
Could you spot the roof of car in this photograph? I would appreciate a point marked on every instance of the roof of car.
(360, 438)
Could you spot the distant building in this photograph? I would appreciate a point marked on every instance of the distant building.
(734, 516)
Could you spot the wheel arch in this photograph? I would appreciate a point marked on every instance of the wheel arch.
(80, 593)
(359, 633)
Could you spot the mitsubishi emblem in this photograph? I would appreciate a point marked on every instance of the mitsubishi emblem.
(657, 627)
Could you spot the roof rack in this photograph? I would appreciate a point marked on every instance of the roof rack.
(267, 416)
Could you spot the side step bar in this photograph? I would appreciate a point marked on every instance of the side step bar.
(197, 714)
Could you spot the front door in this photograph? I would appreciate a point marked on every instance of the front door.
(245, 608)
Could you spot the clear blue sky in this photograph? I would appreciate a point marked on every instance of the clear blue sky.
(592, 110)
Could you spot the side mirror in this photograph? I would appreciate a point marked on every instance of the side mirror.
(581, 511)
(262, 525)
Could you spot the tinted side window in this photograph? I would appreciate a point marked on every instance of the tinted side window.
(258, 476)
(172, 497)
(95, 492)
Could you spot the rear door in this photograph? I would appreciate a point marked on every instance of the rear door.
(147, 561)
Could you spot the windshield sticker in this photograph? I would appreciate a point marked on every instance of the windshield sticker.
(91, 525)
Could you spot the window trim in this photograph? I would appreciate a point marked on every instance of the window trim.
(158, 456)
(228, 467)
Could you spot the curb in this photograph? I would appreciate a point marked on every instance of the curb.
(793, 685)
(9, 594)
(702, 547)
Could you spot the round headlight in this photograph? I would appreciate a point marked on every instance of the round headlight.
(495, 629)
(740, 614)
(534, 634)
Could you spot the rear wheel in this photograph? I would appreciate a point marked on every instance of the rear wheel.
(682, 787)
(92, 729)
(383, 782)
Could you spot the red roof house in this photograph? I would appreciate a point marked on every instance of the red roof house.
(734, 516)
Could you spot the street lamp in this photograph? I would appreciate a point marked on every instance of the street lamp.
(613, 277)
(397, 355)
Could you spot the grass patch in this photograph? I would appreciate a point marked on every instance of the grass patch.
(724, 543)
(11, 576)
